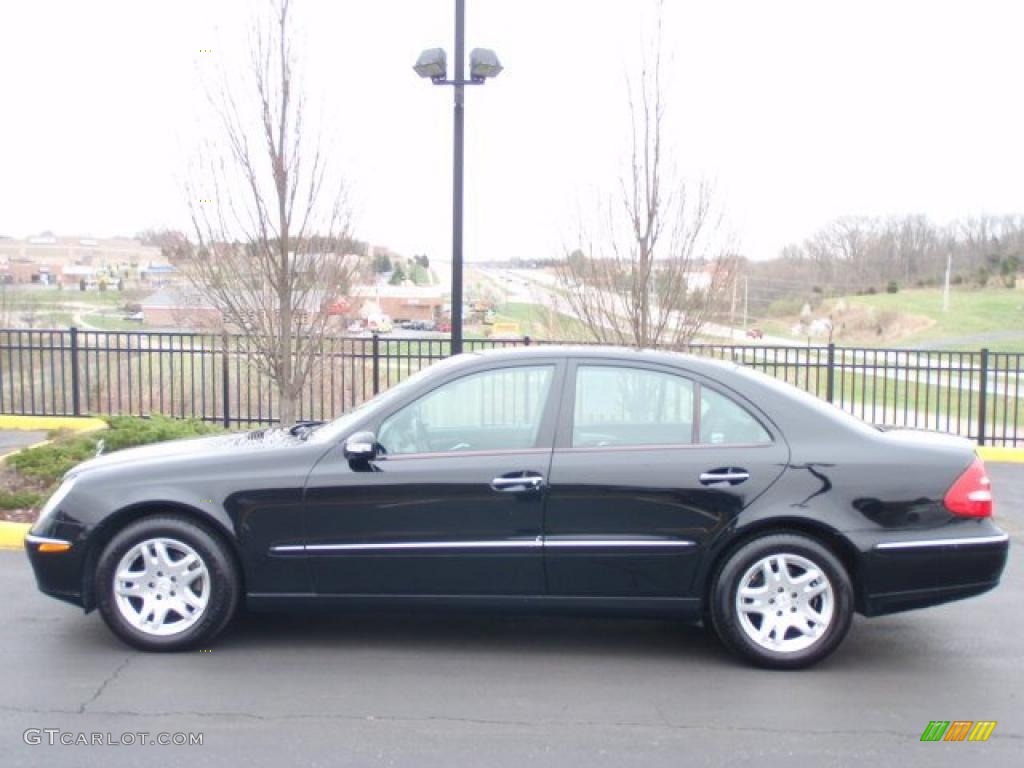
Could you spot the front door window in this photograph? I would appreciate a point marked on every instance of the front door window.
(495, 410)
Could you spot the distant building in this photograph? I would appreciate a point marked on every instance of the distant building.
(179, 308)
(183, 307)
(28, 260)
(401, 302)
(159, 274)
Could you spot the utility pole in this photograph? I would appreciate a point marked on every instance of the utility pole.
(457, 173)
(746, 301)
(732, 312)
(945, 290)
(433, 64)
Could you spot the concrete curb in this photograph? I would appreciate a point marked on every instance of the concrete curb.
(75, 423)
(39, 423)
(12, 535)
(1002, 455)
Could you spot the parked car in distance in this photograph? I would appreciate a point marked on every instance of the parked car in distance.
(755, 333)
(378, 324)
(416, 325)
(546, 479)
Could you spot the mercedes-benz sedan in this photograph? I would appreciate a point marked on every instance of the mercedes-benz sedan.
(538, 479)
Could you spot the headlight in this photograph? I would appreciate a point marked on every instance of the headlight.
(54, 501)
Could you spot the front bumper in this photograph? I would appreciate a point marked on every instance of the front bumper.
(58, 573)
(923, 568)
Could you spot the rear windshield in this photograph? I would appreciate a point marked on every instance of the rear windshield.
(805, 399)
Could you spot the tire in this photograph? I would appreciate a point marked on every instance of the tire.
(759, 579)
(181, 588)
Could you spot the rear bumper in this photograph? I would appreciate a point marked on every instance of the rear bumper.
(905, 572)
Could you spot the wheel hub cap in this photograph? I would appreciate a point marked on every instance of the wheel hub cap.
(161, 586)
(785, 602)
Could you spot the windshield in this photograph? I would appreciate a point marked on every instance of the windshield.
(335, 429)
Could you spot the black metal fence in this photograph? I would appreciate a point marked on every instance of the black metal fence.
(216, 378)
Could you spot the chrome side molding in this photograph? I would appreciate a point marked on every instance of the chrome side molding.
(558, 543)
(966, 541)
(537, 542)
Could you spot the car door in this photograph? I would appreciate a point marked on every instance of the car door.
(453, 504)
(650, 462)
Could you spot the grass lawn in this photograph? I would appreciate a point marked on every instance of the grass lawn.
(111, 322)
(52, 296)
(56, 320)
(972, 312)
(539, 322)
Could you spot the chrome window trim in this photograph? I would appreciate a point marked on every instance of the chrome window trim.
(919, 543)
(537, 542)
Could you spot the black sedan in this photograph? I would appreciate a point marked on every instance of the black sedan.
(540, 479)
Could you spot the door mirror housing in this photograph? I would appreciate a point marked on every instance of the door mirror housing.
(362, 446)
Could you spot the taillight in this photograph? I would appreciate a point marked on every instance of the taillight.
(971, 494)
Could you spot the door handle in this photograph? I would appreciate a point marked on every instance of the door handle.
(730, 475)
(517, 484)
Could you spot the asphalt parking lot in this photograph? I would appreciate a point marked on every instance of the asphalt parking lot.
(13, 439)
(484, 690)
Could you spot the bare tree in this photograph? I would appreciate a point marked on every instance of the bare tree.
(270, 215)
(655, 267)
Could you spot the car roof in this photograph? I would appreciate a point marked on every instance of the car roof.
(798, 413)
(624, 354)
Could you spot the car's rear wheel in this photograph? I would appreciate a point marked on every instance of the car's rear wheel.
(166, 584)
(782, 601)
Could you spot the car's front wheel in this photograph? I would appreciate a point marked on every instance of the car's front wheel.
(166, 584)
(783, 601)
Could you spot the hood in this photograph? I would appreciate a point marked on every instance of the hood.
(215, 446)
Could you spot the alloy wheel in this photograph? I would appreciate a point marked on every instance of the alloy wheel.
(784, 602)
(161, 586)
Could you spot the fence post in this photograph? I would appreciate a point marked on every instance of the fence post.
(982, 395)
(830, 373)
(225, 383)
(76, 402)
(526, 341)
(376, 363)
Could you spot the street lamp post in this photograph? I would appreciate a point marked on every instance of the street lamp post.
(483, 64)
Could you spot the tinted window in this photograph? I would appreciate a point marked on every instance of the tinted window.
(491, 410)
(724, 422)
(631, 406)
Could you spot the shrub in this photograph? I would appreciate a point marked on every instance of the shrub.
(892, 287)
(19, 499)
(48, 463)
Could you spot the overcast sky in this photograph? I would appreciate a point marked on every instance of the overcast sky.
(801, 111)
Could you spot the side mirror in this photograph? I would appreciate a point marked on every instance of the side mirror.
(362, 446)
